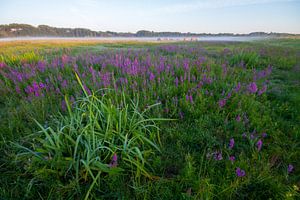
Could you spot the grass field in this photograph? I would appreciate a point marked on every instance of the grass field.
(133, 120)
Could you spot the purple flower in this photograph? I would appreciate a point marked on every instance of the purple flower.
(238, 87)
(151, 76)
(290, 168)
(36, 93)
(218, 156)
(229, 95)
(114, 161)
(42, 85)
(18, 90)
(63, 105)
(239, 172)
(263, 90)
(264, 135)
(64, 84)
(187, 97)
(19, 77)
(231, 143)
(259, 144)
(244, 135)
(191, 98)
(222, 103)
(176, 82)
(29, 89)
(252, 87)
(2, 65)
(238, 118)
(35, 86)
(232, 158)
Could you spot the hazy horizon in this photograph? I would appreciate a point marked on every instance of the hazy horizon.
(206, 16)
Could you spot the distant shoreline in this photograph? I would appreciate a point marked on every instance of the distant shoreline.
(150, 39)
(26, 30)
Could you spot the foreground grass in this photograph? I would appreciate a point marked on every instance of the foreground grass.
(102, 145)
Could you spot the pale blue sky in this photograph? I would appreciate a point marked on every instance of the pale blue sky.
(214, 16)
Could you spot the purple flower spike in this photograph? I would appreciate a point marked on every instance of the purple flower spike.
(252, 87)
(238, 87)
(191, 98)
(176, 81)
(2, 65)
(231, 143)
(263, 90)
(239, 172)
(259, 144)
(218, 156)
(232, 158)
(151, 76)
(114, 161)
(290, 168)
(238, 118)
(222, 103)
(264, 135)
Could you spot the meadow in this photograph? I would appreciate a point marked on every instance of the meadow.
(150, 120)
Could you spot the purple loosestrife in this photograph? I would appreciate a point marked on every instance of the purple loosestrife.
(224, 71)
(222, 103)
(64, 60)
(259, 144)
(231, 143)
(262, 90)
(218, 155)
(114, 161)
(64, 84)
(191, 99)
(18, 90)
(105, 79)
(238, 87)
(181, 79)
(290, 168)
(252, 88)
(264, 135)
(28, 89)
(229, 95)
(176, 82)
(239, 172)
(151, 76)
(238, 118)
(63, 105)
(232, 158)
(2, 65)
(41, 65)
(187, 97)
(186, 64)
(19, 77)
(57, 91)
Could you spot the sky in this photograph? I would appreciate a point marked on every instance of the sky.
(198, 16)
